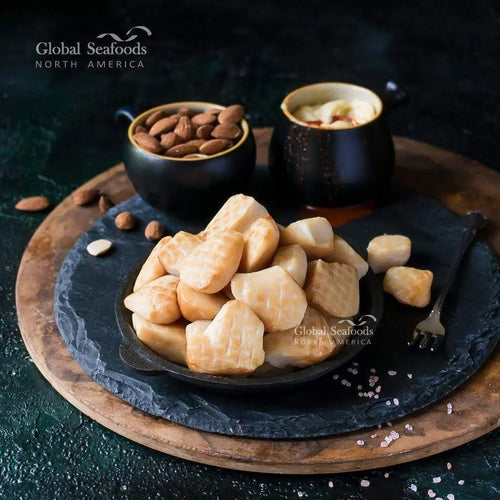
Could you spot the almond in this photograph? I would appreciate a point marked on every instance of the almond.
(105, 203)
(170, 140)
(226, 130)
(214, 146)
(184, 112)
(204, 131)
(213, 111)
(197, 142)
(125, 221)
(140, 129)
(163, 125)
(184, 128)
(85, 196)
(153, 118)
(154, 231)
(232, 114)
(33, 204)
(99, 247)
(148, 143)
(182, 150)
(203, 119)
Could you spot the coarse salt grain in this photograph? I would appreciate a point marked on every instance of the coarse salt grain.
(365, 483)
(410, 375)
(461, 481)
(345, 382)
(372, 370)
(299, 493)
(386, 475)
(355, 364)
(378, 388)
(360, 387)
(394, 435)
(335, 377)
(384, 444)
(373, 436)
(409, 427)
(391, 373)
(450, 496)
(396, 401)
(330, 484)
(389, 424)
(360, 442)
(436, 480)
(353, 371)
(360, 394)
(413, 487)
(449, 466)
(376, 396)
(431, 493)
(449, 408)
(388, 403)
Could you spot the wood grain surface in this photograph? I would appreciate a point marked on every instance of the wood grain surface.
(460, 183)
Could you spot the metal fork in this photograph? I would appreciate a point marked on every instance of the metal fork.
(430, 332)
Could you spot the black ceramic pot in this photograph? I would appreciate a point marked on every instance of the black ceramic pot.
(187, 187)
(333, 167)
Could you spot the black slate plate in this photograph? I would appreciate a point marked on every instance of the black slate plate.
(134, 353)
(84, 307)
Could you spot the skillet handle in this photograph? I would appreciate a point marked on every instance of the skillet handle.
(394, 96)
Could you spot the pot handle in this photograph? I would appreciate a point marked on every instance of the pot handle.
(394, 96)
(125, 112)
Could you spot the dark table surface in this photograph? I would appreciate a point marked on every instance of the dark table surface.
(57, 130)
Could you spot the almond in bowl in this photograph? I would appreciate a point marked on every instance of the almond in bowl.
(187, 158)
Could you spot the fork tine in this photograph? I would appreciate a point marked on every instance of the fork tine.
(414, 338)
(437, 340)
(425, 340)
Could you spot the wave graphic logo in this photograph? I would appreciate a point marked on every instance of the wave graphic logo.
(131, 34)
(361, 322)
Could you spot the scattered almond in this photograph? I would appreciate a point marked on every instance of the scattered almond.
(148, 143)
(184, 111)
(140, 129)
(214, 146)
(232, 114)
(226, 130)
(204, 131)
(105, 203)
(163, 125)
(33, 204)
(85, 196)
(99, 247)
(182, 150)
(154, 231)
(153, 118)
(125, 221)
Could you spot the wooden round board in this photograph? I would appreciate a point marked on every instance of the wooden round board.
(460, 183)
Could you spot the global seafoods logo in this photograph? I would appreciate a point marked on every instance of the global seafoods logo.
(345, 331)
(108, 51)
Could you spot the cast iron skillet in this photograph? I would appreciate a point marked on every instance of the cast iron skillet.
(138, 356)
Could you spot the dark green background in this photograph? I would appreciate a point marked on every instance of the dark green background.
(56, 131)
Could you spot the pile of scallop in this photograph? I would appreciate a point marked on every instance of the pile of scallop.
(248, 296)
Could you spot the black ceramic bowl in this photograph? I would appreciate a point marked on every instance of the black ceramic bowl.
(187, 186)
(135, 354)
(323, 167)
